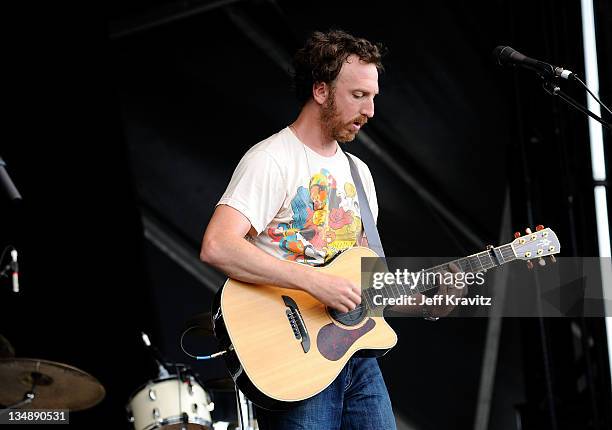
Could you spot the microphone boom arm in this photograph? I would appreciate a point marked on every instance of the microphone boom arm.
(554, 90)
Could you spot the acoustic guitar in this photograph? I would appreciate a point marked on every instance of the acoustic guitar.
(284, 346)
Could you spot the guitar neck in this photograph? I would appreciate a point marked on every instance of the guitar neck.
(474, 263)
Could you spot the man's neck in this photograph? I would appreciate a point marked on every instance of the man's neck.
(307, 127)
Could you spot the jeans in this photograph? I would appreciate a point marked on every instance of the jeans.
(356, 400)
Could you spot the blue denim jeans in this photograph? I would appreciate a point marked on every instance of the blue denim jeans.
(356, 400)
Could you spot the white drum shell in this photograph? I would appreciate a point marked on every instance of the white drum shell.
(163, 402)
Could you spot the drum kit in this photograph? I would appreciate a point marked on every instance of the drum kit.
(178, 400)
(175, 400)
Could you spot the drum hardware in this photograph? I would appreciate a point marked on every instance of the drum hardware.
(156, 355)
(43, 384)
(246, 415)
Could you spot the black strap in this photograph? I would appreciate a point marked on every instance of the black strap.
(367, 219)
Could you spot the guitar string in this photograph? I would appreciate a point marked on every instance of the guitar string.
(503, 248)
(507, 255)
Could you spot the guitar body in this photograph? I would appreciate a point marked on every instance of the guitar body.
(283, 345)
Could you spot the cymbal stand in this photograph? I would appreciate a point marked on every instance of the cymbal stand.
(28, 396)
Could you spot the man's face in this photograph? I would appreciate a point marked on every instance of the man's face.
(351, 100)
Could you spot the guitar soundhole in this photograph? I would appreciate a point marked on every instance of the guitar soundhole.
(351, 318)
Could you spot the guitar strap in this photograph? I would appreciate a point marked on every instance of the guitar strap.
(367, 219)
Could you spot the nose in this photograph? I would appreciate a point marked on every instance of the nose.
(368, 108)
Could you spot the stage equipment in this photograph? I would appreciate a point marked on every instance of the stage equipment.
(41, 384)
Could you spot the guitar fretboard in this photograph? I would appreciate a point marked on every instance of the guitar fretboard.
(475, 263)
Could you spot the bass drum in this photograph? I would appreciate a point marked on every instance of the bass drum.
(170, 404)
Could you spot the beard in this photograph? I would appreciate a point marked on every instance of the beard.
(332, 123)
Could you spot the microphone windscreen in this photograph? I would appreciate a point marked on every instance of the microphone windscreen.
(501, 54)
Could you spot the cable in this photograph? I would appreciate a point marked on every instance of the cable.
(199, 357)
(589, 91)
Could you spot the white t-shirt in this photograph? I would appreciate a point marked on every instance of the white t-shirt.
(303, 205)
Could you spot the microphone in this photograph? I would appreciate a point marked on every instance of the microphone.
(163, 371)
(15, 269)
(506, 56)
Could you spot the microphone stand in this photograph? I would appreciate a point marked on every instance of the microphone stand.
(159, 360)
(553, 89)
(4, 273)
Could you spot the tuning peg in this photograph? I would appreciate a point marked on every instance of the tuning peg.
(528, 230)
(539, 227)
(517, 234)
(541, 262)
(529, 264)
(553, 259)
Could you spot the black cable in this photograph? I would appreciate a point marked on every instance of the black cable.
(576, 78)
(199, 357)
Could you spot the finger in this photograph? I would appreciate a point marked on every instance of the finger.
(349, 303)
(453, 267)
(443, 289)
(447, 280)
(355, 298)
(340, 307)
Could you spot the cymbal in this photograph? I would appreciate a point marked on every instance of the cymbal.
(6, 349)
(220, 384)
(59, 386)
(202, 324)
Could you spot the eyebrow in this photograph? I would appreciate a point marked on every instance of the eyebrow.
(365, 91)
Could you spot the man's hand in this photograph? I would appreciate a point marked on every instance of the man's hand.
(447, 288)
(334, 291)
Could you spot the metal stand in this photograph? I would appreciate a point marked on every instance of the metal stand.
(28, 397)
(553, 89)
(246, 417)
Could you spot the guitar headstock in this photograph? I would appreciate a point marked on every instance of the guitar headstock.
(539, 244)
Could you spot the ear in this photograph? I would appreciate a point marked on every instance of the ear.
(320, 92)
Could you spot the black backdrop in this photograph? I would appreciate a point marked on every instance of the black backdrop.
(154, 121)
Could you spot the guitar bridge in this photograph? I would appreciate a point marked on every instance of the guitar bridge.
(297, 323)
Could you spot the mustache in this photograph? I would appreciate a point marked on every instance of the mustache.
(361, 120)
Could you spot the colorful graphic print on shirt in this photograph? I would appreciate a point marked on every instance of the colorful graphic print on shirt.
(325, 221)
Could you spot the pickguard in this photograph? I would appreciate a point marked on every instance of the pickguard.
(334, 341)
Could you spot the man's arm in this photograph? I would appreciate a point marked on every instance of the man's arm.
(224, 246)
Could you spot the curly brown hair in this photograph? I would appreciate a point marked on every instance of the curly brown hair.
(323, 55)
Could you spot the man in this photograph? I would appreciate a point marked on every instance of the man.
(292, 198)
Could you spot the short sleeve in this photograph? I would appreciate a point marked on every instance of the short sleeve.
(256, 189)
